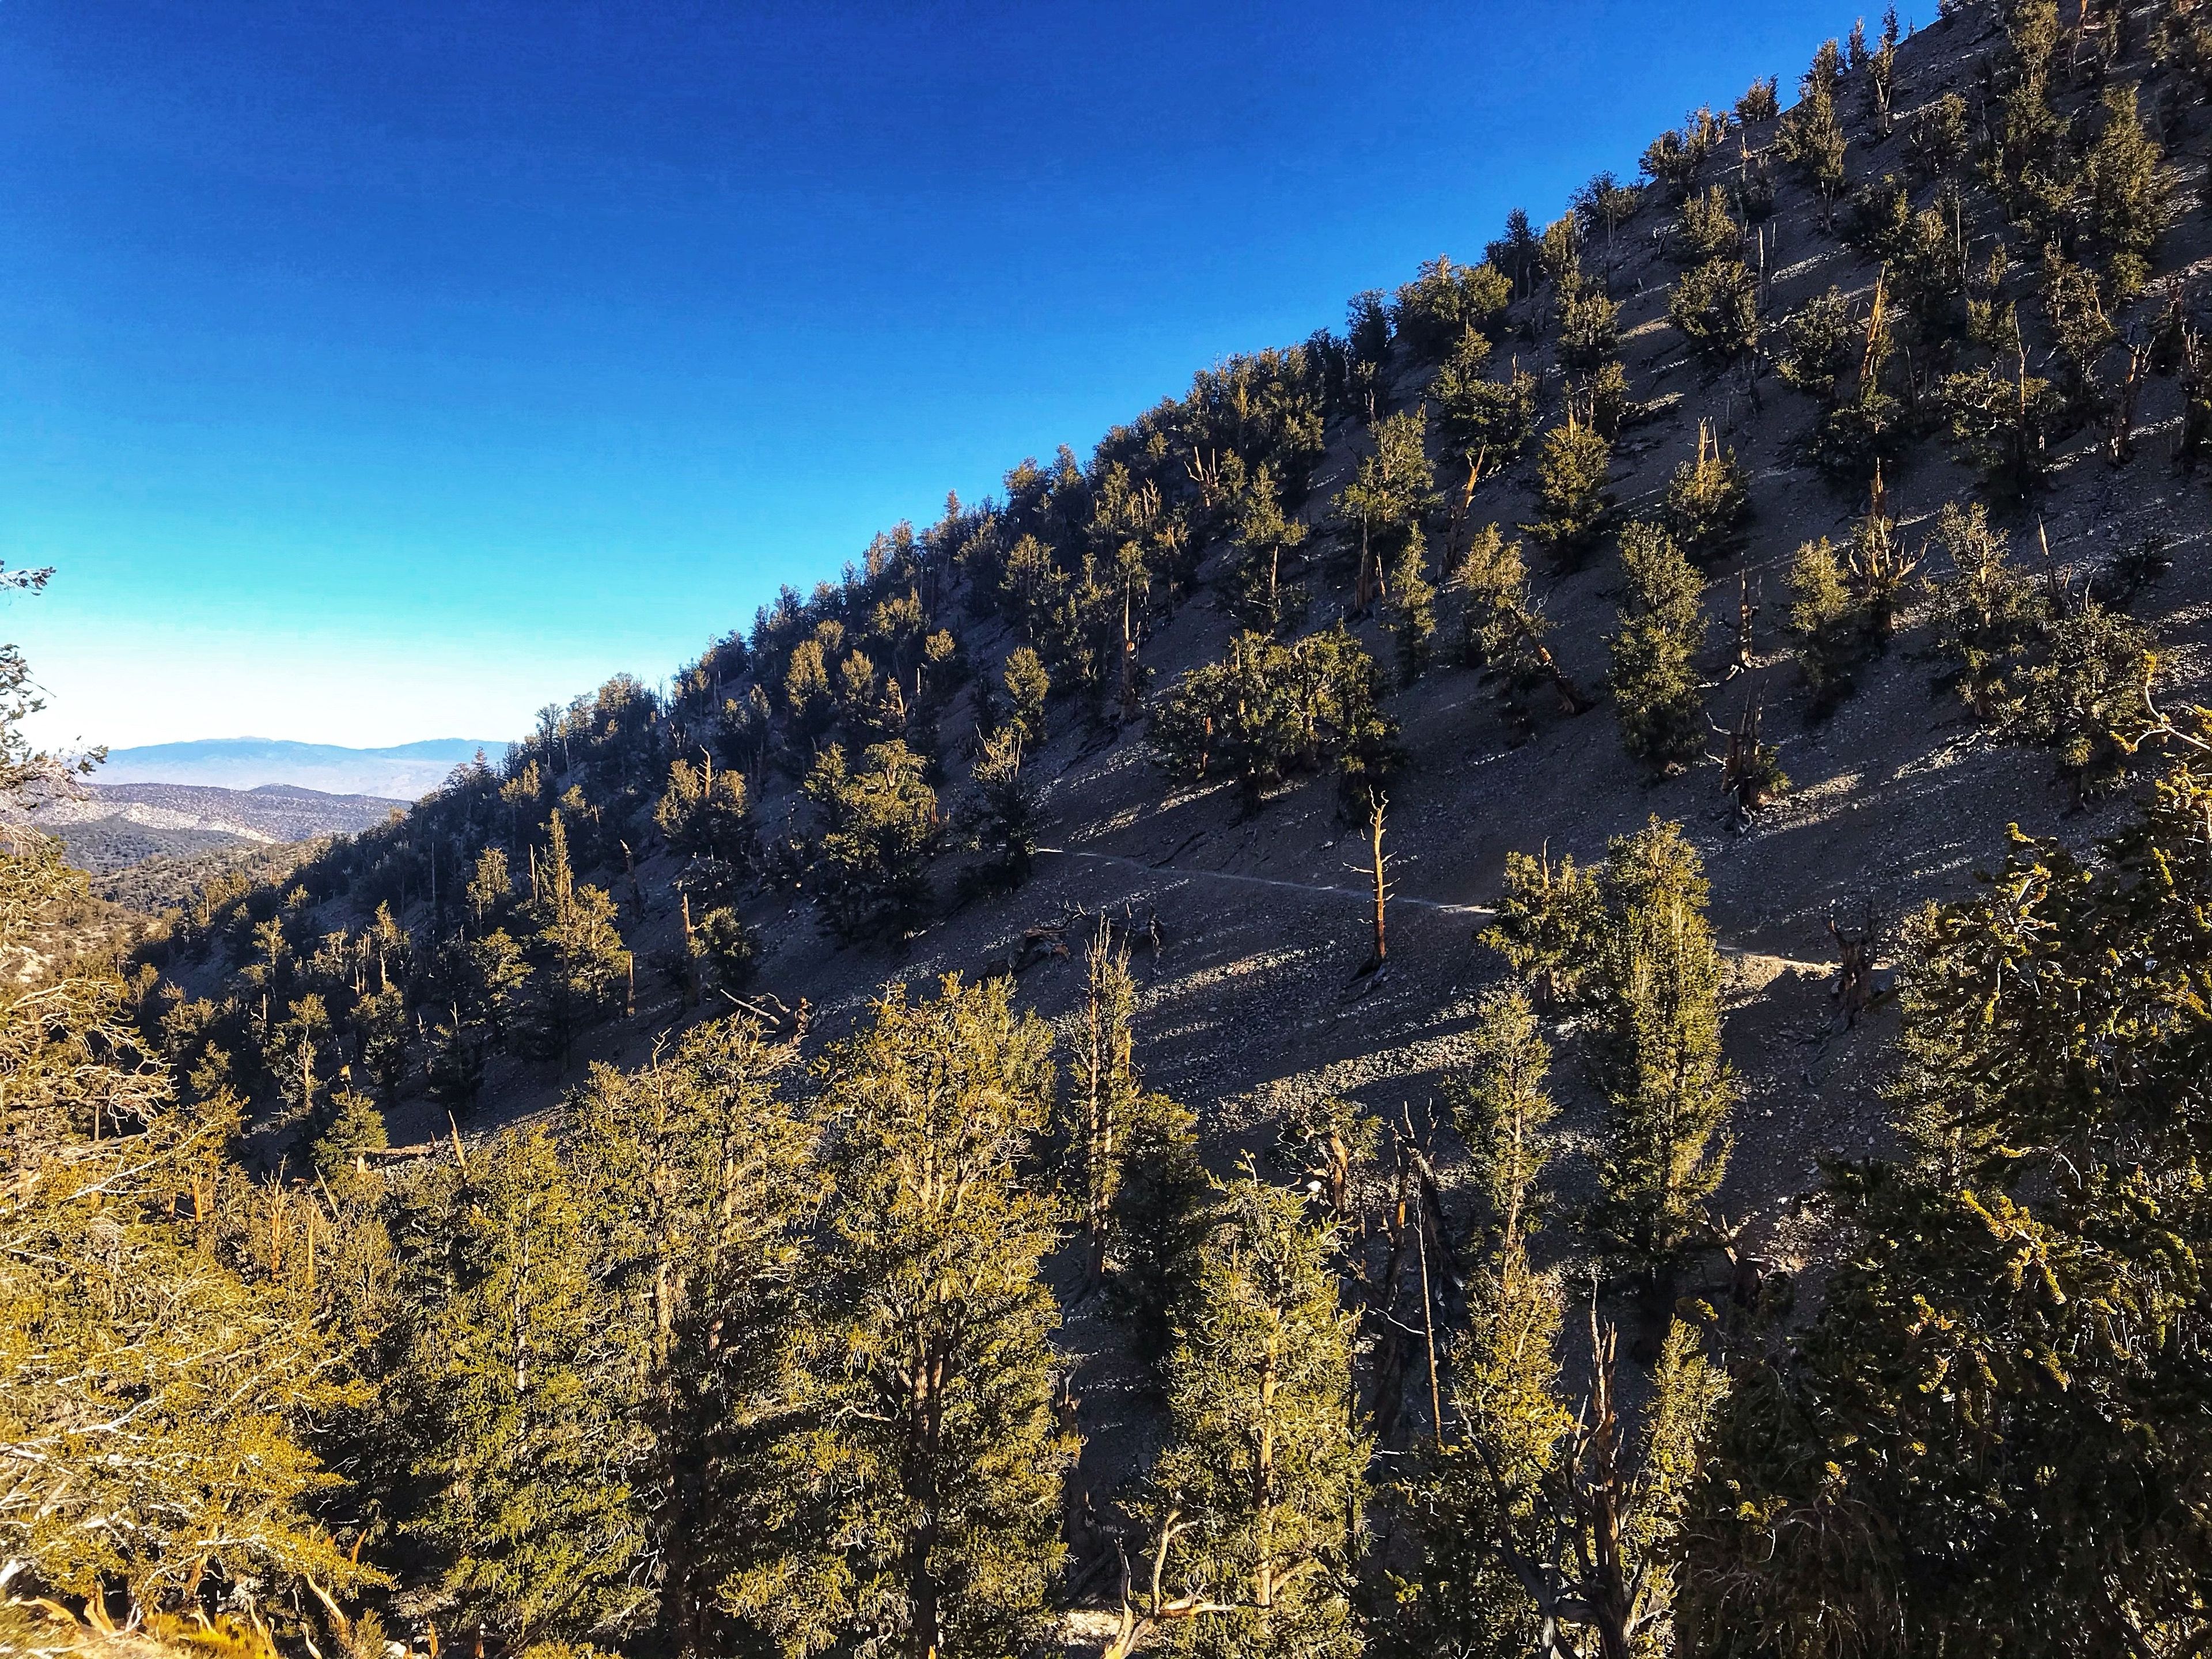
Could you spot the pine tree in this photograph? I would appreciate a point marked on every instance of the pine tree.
(1984, 614)
(380, 1037)
(356, 1129)
(1257, 1495)
(1387, 504)
(1264, 533)
(1539, 1526)
(1668, 1091)
(1716, 306)
(581, 967)
(1571, 480)
(1409, 607)
(1829, 622)
(1986, 1435)
(1104, 1093)
(489, 888)
(1550, 920)
(1707, 499)
(1503, 625)
(704, 813)
(698, 1182)
(532, 1524)
(1003, 810)
(1028, 685)
(1486, 425)
(157, 1382)
(1654, 679)
(1811, 138)
(920, 1512)
(881, 828)
(1478, 1508)
(1162, 1212)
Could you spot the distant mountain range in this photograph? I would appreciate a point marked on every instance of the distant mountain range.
(406, 771)
(107, 827)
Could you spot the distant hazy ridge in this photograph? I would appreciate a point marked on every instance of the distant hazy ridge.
(406, 771)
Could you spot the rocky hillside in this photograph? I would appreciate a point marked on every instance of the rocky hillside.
(1253, 996)
(1851, 463)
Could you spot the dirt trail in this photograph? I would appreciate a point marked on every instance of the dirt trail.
(1366, 895)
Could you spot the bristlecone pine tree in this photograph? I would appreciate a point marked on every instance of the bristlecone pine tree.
(1540, 1523)
(1253, 1520)
(161, 1364)
(699, 1182)
(1654, 679)
(1993, 1431)
(920, 1513)
(1668, 1092)
(532, 1529)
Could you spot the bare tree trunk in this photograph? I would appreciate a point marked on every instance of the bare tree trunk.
(1378, 805)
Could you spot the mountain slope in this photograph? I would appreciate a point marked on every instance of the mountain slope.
(1259, 997)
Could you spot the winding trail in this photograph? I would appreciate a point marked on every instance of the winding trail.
(1366, 895)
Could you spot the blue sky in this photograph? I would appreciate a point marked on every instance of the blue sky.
(372, 372)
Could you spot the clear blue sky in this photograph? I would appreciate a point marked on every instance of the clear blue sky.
(376, 372)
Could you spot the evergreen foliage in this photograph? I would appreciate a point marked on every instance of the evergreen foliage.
(919, 1512)
(1259, 1489)
(1962, 1444)
(1269, 711)
(1655, 684)
(1715, 305)
(1708, 500)
(161, 1366)
(1570, 489)
(881, 827)
(1668, 1092)
(1550, 920)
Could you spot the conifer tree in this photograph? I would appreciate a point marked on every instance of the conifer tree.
(1162, 1212)
(920, 1512)
(1386, 504)
(1655, 680)
(698, 1181)
(1539, 1526)
(1715, 305)
(1811, 138)
(1828, 621)
(1486, 425)
(881, 828)
(1571, 480)
(1984, 612)
(1028, 685)
(1589, 328)
(1962, 1444)
(704, 813)
(1004, 809)
(581, 966)
(1264, 533)
(1668, 1091)
(531, 1523)
(354, 1129)
(1253, 1520)
(1550, 920)
(490, 889)
(1708, 499)
(158, 1384)
(1104, 1093)
(1409, 607)
(1503, 625)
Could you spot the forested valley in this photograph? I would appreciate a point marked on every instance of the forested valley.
(1215, 1054)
